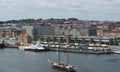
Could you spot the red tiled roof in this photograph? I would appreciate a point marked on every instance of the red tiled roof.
(24, 34)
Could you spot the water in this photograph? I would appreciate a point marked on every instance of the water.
(13, 60)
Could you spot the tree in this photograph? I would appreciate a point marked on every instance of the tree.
(83, 40)
(48, 39)
(91, 41)
(42, 38)
(54, 39)
(69, 39)
(110, 41)
(1, 22)
(72, 19)
(115, 41)
(61, 40)
(75, 40)
(118, 22)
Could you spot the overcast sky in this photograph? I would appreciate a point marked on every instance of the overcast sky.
(81, 9)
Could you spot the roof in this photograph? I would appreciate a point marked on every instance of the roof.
(8, 29)
(24, 34)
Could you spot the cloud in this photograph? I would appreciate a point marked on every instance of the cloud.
(61, 7)
(61, 4)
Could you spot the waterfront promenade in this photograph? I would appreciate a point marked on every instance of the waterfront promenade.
(72, 48)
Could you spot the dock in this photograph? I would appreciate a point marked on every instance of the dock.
(73, 50)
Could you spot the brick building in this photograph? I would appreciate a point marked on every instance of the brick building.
(111, 33)
(24, 38)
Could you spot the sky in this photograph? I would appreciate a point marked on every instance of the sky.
(81, 9)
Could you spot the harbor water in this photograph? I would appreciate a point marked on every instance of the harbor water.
(14, 60)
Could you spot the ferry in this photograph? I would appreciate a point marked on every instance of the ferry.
(33, 47)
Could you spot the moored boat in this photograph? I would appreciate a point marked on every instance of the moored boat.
(63, 66)
(23, 47)
(36, 47)
(2, 46)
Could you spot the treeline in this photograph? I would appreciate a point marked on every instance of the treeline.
(112, 41)
(118, 23)
(40, 20)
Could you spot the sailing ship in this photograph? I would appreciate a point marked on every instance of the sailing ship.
(63, 66)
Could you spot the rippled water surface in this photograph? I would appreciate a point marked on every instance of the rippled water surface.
(14, 60)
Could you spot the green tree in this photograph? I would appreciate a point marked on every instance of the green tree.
(115, 41)
(118, 22)
(42, 38)
(48, 39)
(54, 39)
(1, 22)
(72, 19)
(75, 40)
(91, 41)
(61, 40)
(69, 39)
(110, 41)
(83, 40)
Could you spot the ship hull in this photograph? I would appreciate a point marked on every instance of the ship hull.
(63, 69)
(36, 50)
(2, 46)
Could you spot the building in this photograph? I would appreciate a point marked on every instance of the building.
(10, 32)
(42, 29)
(36, 31)
(108, 33)
(83, 30)
(76, 29)
(28, 29)
(24, 38)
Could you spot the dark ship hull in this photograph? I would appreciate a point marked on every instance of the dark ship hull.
(2, 46)
(36, 50)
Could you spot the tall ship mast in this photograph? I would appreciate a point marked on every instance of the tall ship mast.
(63, 66)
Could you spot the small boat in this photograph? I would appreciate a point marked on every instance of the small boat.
(23, 47)
(2, 45)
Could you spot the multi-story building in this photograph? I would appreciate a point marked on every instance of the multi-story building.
(90, 30)
(38, 30)
(28, 29)
(108, 33)
(9, 31)
(76, 29)
(24, 38)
